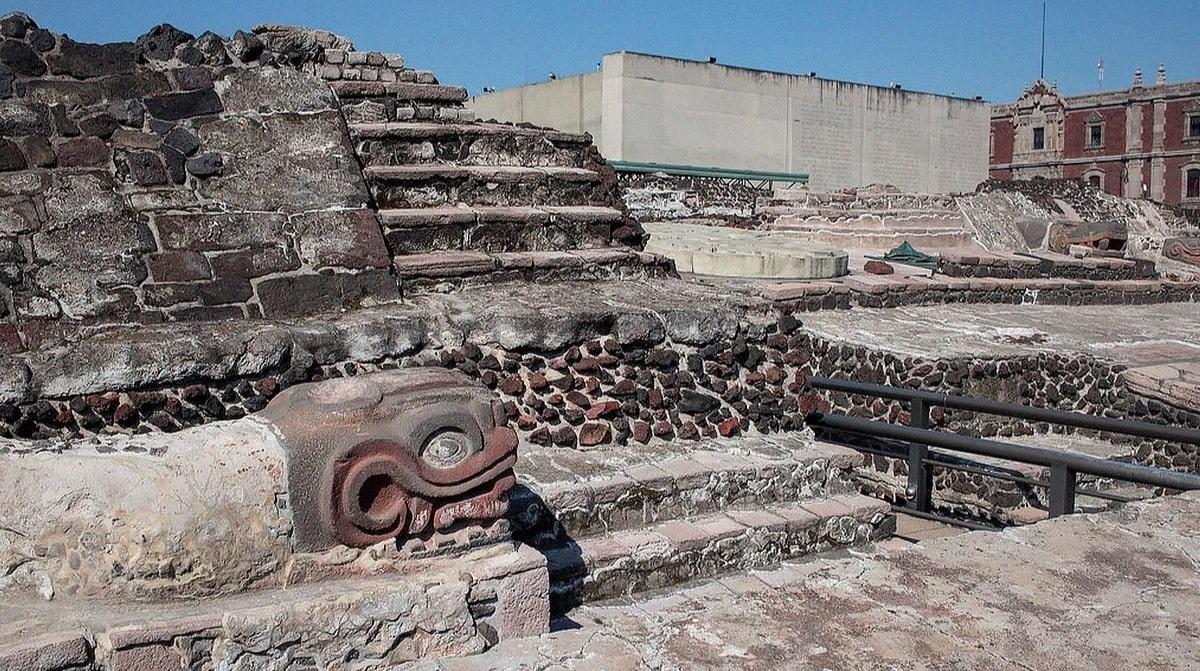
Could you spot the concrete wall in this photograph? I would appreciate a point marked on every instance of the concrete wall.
(667, 110)
(570, 104)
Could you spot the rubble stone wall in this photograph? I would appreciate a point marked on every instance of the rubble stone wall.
(660, 197)
(175, 178)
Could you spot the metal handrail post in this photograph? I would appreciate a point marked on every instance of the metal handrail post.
(1062, 490)
(919, 492)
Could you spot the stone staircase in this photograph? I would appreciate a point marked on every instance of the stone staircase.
(463, 202)
(616, 521)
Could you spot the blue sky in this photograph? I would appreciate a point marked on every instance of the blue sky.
(962, 47)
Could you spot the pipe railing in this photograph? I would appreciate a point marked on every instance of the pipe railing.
(1064, 466)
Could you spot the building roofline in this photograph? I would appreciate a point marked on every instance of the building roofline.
(797, 75)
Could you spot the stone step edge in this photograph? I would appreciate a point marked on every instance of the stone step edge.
(499, 578)
(720, 543)
(418, 217)
(460, 264)
(633, 489)
(400, 91)
(489, 173)
(782, 291)
(424, 130)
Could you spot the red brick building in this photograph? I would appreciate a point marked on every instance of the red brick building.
(1140, 142)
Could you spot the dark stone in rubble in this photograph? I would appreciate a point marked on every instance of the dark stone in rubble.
(11, 157)
(100, 125)
(41, 39)
(88, 152)
(159, 43)
(206, 165)
(86, 61)
(192, 56)
(146, 168)
(22, 58)
(245, 46)
(175, 164)
(213, 48)
(540, 437)
(182, 140)
(194, 78)
(695, 403)
(564, 436)
(16, 25)
(176, 106)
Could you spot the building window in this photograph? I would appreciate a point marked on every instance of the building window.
(1193, 125)
(1192, 180)
(1039, 138)
(1095, 135)
(1094, 180)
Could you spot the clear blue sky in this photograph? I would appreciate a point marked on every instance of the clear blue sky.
(963, 47)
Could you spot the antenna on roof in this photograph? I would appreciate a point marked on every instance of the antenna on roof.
(1042, 72)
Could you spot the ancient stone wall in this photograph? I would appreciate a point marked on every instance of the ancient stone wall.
(175, 178)
(661, 197)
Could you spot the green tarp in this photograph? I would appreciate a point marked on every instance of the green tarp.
(909, 256)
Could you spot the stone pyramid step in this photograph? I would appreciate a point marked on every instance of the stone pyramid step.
(438, 185)
(411, 96)
(418, 272)
(403, 91)
(571, 494)
(499, 229)
(626, 562)
(469, 144)
(617, 519)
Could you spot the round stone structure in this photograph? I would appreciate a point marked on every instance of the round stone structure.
(733, 252)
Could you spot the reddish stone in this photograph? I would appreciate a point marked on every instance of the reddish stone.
(641, 431)
(102, 402)
(512, 385)
(689, 431)
(656, 398)
(125, 414)
(876, 267)
(86, 152)
(558, 363)
(489, 378)
(587, 365)
(603, 409)
(252, 263)
(10, 339)
(526, 422)
(64, 416)
(173, 406)
(268, 386)
(564, 382)
(194, 393)
(178, 267)
(591, 386)
(593, 347)
(775, 375)
(579, 400)
(540, 437)
(573, 355)
(594, 433)
(555, 399)
(729, 427)
(624, 388)
(607, 361)
(537, 381)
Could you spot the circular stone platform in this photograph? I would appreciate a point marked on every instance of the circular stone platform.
(735, 252)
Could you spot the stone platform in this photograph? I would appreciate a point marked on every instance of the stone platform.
(731, 252)
(1109, 591)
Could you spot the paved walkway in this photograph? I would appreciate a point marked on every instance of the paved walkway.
(1111, 591)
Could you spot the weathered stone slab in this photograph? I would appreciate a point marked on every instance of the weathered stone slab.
(283, 162)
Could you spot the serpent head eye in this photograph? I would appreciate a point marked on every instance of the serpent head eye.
(446, 448)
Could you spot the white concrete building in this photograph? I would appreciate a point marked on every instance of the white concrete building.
(653, 109)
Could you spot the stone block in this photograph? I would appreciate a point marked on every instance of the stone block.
(86, 61)
(46, 652)
(85, 152)
(266, 90)
(21, 58)
(176, 106)
(315, 294)
(146, 658)
(249, 263)
(283, 162)
(146, 168)
(11, 156)
(340, 238)
(24, 118)
(38, 151)
(179, 266)
(204, 232)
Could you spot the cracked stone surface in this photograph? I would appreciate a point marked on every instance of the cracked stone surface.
(1106, 591)
(1136, 335)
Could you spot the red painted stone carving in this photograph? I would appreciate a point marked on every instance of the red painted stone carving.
(393, 455)
(1098, 234)
(1183, 249)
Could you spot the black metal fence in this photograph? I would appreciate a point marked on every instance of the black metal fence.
(1065, 467)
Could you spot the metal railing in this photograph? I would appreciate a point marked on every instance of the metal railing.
(1065, 467)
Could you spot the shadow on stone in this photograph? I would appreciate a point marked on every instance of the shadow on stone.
(536, 525)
